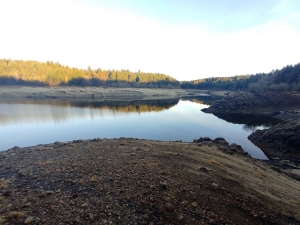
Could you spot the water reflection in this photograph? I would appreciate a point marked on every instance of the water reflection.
(28, 123)
(250, 122)
(15, 112)
(204, 100)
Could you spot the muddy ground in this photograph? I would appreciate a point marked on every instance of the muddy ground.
(131, 181)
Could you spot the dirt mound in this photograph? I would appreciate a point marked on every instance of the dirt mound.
(130, 181)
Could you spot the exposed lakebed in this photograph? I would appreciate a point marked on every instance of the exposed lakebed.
(32, 122)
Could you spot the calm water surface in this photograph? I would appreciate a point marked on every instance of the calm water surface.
(28, 123)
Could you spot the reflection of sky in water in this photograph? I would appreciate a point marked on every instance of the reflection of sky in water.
(31, 124)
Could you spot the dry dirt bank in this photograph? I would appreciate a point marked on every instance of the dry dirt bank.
(87, 93)
(131, 181)
(281, 141)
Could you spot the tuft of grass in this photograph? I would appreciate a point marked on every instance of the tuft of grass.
(261, 175)
(44, 163)
(2, 220)
(5, 183)
(213, 161)
(153, 164)
(15, 215)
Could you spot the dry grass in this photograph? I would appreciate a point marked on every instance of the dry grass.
(148, 145)
(2, 220)
(15, 215)
(213, 161)
(261, 175)
(44, 163)
(5, 183)
(153, 164)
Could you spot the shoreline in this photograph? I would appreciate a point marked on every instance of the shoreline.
(99, 93)
(87, 93)
(233, 102)
(124, 180)
(280, 142)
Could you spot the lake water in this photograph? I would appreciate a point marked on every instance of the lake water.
(32, 122)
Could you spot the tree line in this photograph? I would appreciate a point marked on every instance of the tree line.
(288, 78)
(53, 74)
(30, 72)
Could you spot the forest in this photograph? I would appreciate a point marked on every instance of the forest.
(288, 78)
(18, 72)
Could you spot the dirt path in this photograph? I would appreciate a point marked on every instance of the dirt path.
(131, 181)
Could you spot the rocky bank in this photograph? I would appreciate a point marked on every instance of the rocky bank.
(132, 181)
(280, 111)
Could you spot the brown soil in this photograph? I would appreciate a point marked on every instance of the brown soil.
(88, 93)
(131, 181)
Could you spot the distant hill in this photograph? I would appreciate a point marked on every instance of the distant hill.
(18, 72)
(288, 78)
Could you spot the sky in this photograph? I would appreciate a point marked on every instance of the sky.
(186, 39)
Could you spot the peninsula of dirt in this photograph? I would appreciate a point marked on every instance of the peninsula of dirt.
(132, 181)
(281, 140)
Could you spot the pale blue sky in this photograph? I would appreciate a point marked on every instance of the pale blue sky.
(217, 15)
(187, 39)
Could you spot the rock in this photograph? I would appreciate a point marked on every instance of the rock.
(163, 185)
(237, 148)
(7, 193)
(92, 217)
(214, 184)
(84, 205)
(49, 192)
(180, 217)
(94, 178)
(203, 169)
(206, 139)
(29, 220)
(221, 141)
(198, 140)
(21, 173)
(97, 139)
(58, 143)
(27, 204)
(169, 207)
(211, 221)
(194, 204)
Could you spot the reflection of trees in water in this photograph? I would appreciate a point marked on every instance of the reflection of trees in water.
(148, 106)
(120, 106)
(62, 110)
(203, 100)
(132, 106)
